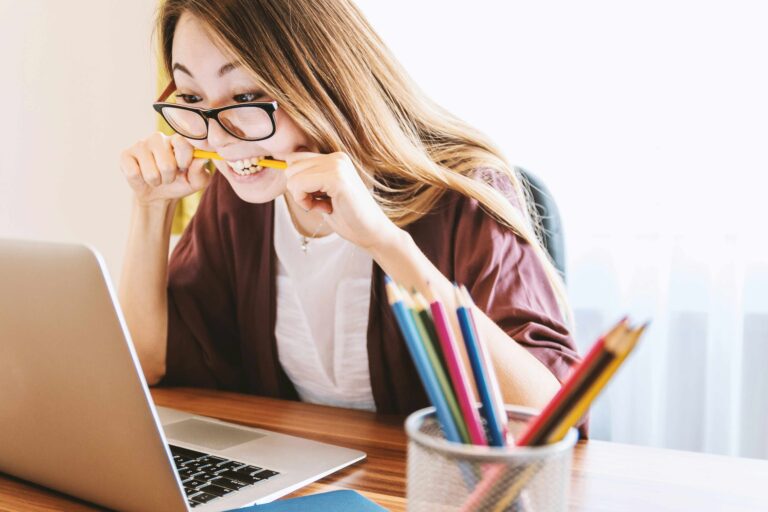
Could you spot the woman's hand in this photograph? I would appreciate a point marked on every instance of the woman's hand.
(160, 169)
(350, 209)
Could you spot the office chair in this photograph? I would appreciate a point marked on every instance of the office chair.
(549, 216)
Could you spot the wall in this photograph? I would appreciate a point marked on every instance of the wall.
(78, 82)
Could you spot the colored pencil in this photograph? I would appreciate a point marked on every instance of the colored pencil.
(621, 347)
(274, 164)
(484, 376)
(429, 341)
(537, 431)
(454, 362)
(421, 361)
(498, 399)
(619, 341)
(422, 307)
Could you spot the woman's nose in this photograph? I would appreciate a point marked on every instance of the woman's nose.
(217, 136)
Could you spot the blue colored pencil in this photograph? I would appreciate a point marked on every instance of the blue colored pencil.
(498, 399)
(421, 360)
(484, 376)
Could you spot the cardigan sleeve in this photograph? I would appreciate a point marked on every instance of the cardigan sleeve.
(507, 281)
(202, 347)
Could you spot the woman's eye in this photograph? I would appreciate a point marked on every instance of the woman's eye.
(189, 98)
(247, 97)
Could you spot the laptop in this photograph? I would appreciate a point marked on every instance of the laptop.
(76, 414)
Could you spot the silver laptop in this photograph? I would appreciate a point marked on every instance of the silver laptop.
(76, 414)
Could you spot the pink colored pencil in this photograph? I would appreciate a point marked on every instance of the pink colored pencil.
(457, 372)
(492, 473)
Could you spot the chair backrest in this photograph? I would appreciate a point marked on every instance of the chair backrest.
(549, 216)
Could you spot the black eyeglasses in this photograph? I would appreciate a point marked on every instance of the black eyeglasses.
(246, 121)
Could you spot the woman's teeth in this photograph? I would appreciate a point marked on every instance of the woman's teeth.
(246, 167)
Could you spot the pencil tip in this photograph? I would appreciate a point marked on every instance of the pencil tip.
(467, 297)
(429, 293)
(457, 296)
(393, 294)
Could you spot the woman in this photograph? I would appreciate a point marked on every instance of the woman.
(276, 286)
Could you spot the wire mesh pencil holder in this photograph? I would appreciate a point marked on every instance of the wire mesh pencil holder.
(446, 476)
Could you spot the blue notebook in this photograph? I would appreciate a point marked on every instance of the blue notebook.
(338, 501)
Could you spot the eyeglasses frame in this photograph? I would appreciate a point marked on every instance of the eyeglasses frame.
(268, 106)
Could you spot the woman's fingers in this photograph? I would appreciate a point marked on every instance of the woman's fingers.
(310, 187)
(149, 171)
(197, 175)
(131, 170)
(165, 161)
(293, 159)
(151, 167)
(312, 179)
(321, 204)
(182, 150)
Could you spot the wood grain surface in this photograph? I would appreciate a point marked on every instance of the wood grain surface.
(606, 476)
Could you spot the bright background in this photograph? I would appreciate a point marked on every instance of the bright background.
(647, 120)
(77, 85)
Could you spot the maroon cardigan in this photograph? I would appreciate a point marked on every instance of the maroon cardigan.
(222, 298)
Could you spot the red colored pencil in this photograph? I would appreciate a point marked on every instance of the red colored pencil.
(535, 431)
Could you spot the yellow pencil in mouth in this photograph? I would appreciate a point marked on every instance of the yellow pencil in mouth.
(273, 164)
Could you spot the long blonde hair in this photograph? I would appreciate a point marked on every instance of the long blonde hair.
(336, 79)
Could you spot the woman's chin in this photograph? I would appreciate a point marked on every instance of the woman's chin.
(249, 195)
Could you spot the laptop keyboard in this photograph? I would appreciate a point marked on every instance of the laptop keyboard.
(207, 477)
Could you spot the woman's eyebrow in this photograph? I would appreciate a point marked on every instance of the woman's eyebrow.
(226, 68)
(182, 68)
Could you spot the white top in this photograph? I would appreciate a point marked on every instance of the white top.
(323, 301)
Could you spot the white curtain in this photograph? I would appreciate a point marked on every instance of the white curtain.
(665, 208)
(648, 121)
(697, 381)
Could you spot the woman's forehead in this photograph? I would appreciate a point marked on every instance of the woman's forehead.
(196, 54)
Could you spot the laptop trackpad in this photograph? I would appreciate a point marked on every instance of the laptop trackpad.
(208, 434)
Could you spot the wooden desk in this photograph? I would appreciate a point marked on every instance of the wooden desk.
(606, 476)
